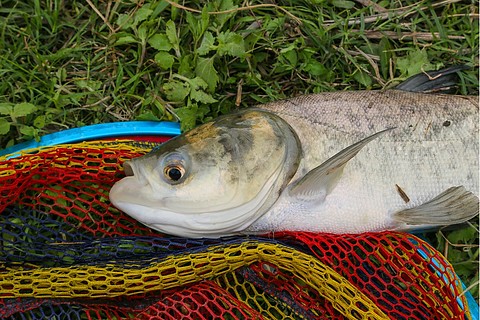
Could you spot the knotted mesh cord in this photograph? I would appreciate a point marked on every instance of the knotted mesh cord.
(67, 253)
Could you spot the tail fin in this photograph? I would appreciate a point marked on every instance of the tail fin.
(453, 206)
(441, 81)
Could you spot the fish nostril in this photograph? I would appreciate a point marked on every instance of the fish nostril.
(127, 168)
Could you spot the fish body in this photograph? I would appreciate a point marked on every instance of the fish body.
(433, 146)
(343, 162)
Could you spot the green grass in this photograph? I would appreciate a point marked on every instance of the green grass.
(66, 64)
(82, 63)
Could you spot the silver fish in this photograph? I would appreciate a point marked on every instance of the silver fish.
(343, 162)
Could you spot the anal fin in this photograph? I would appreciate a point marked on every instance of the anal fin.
(453, 206)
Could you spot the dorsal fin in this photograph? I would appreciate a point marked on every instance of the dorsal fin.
(318, 183)
(441, 81)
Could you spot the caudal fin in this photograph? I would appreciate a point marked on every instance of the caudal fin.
(453, 206)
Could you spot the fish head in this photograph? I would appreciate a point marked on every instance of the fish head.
(214, 180)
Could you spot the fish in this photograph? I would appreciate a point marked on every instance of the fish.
(334, 162)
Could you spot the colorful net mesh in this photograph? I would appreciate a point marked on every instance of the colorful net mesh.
(66, 253)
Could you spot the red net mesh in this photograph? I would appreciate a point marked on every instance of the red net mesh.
(67, 253)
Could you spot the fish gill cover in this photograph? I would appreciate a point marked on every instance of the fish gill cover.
(67, 253)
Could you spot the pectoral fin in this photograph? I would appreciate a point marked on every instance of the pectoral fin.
(318, 183)
(454, 205)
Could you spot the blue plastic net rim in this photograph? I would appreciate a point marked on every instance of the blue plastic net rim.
(96, 132)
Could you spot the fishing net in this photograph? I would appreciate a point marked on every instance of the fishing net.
(67, 253)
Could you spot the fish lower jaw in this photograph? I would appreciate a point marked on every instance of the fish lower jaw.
(188, 224)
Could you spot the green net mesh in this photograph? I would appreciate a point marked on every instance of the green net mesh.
(67, 253)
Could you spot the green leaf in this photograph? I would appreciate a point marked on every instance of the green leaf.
(4, 126)
(288, 58)
(198, 83)
(202, 96)
(187, 116)
(290, 47)
(142, 32)
(315, 68)
(171, 32)
(142, 14)
(61, 74)
(186, 66)
(6, 109)
(28, 131)
(456, 255)
(90, 85)
(23, 109)
(464, 269)
(207, 44)
(205, 19)
(147, 116)
(344, 4)
(39, 122)
(193, 25)
(197, 25)
(259, 57)
(291, 57)
(231, 43)
(275, 24)
(207, 72)
(126, 39)
(414, 63)
(160, 42)
(164, 59)
(363, 78)
(462, 236)
(176, 90)
(124, 21)
(225, 5)
(385, 53)
(196, 92)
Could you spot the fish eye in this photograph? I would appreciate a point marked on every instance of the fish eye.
(174, 172)
(174, 168)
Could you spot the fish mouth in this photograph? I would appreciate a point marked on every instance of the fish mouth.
(127, 189)
(125, 193)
